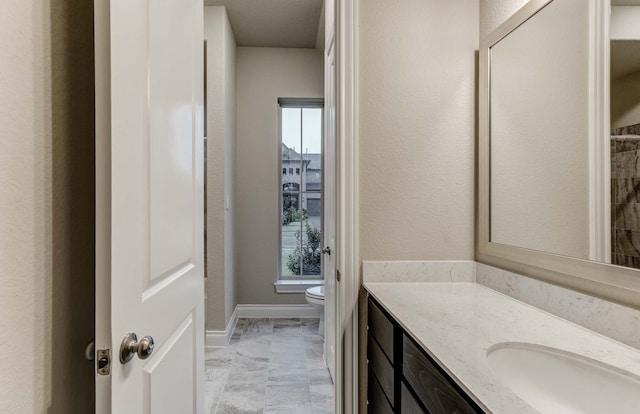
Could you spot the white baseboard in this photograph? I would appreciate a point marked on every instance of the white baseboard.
(220, 339)
(277, 311)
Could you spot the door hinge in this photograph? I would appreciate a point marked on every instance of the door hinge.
(103, 361)
(338, 275)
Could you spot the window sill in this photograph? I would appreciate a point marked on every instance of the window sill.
(296, 286)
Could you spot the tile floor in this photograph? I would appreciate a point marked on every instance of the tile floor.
(270, 366)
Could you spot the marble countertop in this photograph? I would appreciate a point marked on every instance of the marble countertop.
(456, 323)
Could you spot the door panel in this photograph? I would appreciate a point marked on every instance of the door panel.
(171, 213)
(149, 181)
(169, 382)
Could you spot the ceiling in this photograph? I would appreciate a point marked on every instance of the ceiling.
(273, 23)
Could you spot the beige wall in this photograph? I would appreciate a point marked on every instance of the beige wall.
(221, 154)
(46, 206)
(264, 75)
(417, 134)
(417, 129)
(495, 12)
(625, 91)
(625, 101)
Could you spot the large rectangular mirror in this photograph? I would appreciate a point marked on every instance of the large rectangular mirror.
(559, 155)
(625, 132)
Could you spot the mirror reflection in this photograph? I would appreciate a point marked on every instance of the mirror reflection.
(539, 153)
(625, 133)
(554, 187)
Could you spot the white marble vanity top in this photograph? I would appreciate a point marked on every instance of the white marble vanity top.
(456, 323)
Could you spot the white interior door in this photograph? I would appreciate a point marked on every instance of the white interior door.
(329, 231)
(149, 203)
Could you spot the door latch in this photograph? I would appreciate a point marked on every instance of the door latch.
(103, 362)
(338, 275)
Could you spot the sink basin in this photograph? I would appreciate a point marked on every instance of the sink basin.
(553, 381)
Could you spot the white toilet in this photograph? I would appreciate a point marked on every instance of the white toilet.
(315, 298)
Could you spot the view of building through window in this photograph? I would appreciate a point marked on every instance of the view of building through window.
(301, 186)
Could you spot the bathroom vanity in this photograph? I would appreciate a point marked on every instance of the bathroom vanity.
(404, 378)
(464, 348)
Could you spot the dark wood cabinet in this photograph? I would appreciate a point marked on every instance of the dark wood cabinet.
(376, 399)
(382, 354)
(436, 391)
(381, 327)
(381, 367)
(402, 377)
(408, 402)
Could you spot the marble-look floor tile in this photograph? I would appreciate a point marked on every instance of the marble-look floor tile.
(319, 376)
(214, 382)
(242, 398)
(230, 409)
(287, 322)
(220, 356)
(284, 376)
(322, 408)
(287, 330)
(295, 350)
(286, 340)
(314, 357)
(270, 366)
(256, 364)
(302, 408)
(287, 364)
(257, 327)
(254, 348)
(314, 339)
(239, 376)
(321, 392)
(285, 395)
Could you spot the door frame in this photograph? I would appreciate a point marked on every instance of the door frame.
(347, 65)
(348, 263)
(102, 138)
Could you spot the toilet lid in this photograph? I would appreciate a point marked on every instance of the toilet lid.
(316, 292)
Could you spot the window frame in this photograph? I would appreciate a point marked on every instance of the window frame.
(299, 103)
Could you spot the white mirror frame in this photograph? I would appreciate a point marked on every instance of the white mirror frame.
(613, 283)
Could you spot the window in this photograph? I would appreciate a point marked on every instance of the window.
(284, 171)
(301, 194)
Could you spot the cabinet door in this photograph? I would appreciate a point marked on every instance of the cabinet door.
(381, 327)
(381, 366)
(433, 389)
(376, 400)
(409, 404)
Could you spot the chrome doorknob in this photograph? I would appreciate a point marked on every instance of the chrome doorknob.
(130, 346)
(327, 250)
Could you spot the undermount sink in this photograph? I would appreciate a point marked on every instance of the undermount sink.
(553, 381)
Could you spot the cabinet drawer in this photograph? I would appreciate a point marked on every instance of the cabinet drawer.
(435, 391)
(381, 367)
(381, 328)
(409, 404)
(376, 400)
